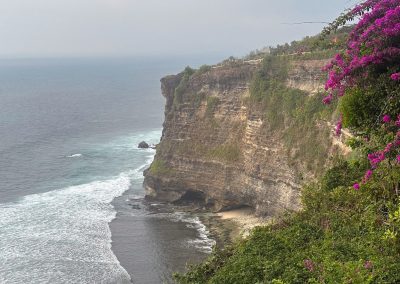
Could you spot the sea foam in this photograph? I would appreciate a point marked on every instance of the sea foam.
(63, 236)
(203, 242)
(75, 155)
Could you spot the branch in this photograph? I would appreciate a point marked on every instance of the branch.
(301, 23)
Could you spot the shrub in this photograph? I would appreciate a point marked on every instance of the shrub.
(337, 238)
(292, 113)
(182, 87)
(203, 69)
(366, 79)
(159, 167)
(212, 103)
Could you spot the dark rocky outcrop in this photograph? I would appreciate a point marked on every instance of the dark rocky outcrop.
(143, 145)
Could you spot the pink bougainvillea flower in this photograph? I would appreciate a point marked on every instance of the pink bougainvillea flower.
(388, 148)
(372, 45)
(338, 128)
(367, 175)
(395, 76)
(309, 265)
(376, 158)
(398, 121)
(368, 264)
(328, 99)
(386, 118)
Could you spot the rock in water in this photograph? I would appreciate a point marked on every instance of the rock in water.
(143, 145)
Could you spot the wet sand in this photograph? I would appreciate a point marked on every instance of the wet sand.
(152, 241)
(245, 220)
(151, 245)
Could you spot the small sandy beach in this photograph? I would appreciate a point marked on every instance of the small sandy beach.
(245, 220)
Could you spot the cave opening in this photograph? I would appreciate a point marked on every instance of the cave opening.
(240, 207)
(192, 197)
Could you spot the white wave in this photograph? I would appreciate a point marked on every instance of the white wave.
(63, 236)
(130, 143)
(75, 156)
(203, 242)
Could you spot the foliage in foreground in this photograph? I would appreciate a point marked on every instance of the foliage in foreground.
(342, 236)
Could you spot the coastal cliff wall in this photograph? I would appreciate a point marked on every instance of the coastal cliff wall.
(241, 134)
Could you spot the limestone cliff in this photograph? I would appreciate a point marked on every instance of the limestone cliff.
(220, 147)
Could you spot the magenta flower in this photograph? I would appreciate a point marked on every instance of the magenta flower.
(373, 43)
(397, 139)
(367, 175)
(376, 158)
(338, 129)
(378, 26)
(368, 265)
(328, 99)
(386, 118)
(309, 265)
(395, 76)
(388, 148)
(398, 121)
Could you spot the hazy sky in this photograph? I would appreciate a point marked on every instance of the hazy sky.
(31, 28)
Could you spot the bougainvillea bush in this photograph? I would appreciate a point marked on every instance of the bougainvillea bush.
(366, 79)
(349, 229)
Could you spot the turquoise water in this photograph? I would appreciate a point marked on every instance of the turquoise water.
(69, 131)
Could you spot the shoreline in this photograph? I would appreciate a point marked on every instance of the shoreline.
(152, 240)
(228, 226)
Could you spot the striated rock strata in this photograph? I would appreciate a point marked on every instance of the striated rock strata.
(218, 153)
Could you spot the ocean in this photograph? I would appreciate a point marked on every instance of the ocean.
(71, 195)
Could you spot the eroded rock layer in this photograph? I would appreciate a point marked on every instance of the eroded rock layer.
(218, 152)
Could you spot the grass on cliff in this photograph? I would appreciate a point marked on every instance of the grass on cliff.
(316, 46)
(227, 153)
(212, 103)
(292, 114)
(182, 87)
(341, 236)
(159, 167)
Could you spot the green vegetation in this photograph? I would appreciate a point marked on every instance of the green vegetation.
(362, 108)
(318, 54)
(258, 53)
(311, 47)
(159, 167)
(212, 103)
(349, 228)
(341, 236)
(181, 88)
(190, 148)
(197, 99)
(292, 113)
(203, 69)
(194, 99)
(228, 153)
(315, 44)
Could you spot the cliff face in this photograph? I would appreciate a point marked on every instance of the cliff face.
(218, 151)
